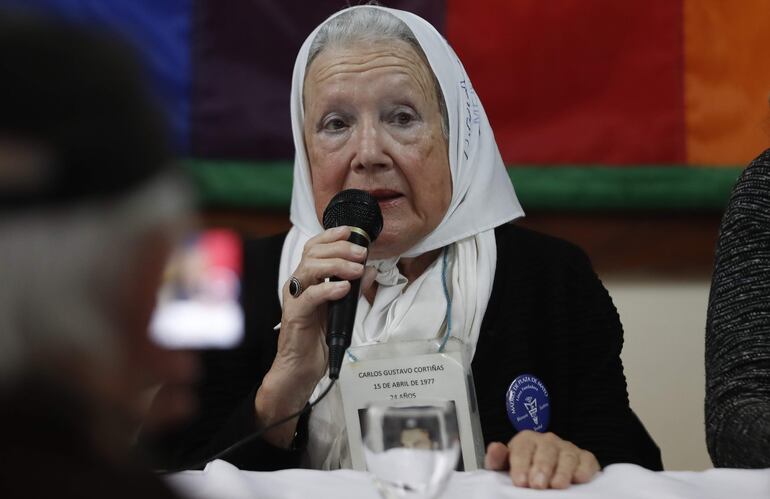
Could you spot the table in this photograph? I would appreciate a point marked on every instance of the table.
(221, 480)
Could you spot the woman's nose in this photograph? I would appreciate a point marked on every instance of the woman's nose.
(370, 148)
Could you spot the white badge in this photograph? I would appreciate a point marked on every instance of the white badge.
(411, 371)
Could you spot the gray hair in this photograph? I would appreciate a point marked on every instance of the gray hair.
(373, 25)
(61, 268)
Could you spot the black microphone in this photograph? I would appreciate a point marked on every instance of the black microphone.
(360, 211)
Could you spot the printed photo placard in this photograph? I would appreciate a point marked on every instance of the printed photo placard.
(413, 373)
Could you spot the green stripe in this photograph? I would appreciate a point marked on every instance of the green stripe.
(267, 185)
(240, 184)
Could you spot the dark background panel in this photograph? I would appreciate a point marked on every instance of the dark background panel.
(244, 53)
(668, 246)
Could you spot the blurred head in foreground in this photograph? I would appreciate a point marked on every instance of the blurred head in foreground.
(90, 207)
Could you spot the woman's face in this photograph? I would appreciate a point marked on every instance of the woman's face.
(373, 122)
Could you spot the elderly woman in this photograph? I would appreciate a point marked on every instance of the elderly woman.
(381, 103)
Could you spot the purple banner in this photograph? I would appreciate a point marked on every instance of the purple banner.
(243, 55)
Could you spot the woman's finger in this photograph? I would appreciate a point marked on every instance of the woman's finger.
(587, 468)
(522, 449)
(496, 458)
(320, 260)
(323, 292)
(315, 271)
(300, 312)
(544, 461)
(335, 249)
(565, 468)
(328, 236)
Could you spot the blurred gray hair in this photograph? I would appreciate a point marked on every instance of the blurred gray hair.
(373, 25)
(60, 269)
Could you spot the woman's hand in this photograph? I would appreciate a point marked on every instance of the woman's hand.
(541, 461)
(302, 352)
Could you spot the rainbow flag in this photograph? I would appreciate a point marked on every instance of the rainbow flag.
(595, 104)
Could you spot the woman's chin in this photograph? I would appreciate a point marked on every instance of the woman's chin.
(387, 245)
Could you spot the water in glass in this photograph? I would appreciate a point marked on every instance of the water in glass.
(411, 450)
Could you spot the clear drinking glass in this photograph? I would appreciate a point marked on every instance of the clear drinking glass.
(411, 450)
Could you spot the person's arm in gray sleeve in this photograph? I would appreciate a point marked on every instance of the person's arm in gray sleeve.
(738, 328)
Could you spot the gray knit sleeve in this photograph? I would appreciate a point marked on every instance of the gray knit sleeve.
(738, 328)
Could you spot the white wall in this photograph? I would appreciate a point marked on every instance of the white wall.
(664, 326)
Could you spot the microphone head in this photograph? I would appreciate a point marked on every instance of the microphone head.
(354, 208)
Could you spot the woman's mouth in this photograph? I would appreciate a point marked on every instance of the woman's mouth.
(386, 197)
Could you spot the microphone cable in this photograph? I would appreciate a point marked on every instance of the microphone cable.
(251, 437)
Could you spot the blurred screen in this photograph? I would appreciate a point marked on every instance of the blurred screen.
(198, 302)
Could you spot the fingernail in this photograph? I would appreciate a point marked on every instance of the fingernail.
(520, 479)
(341, 284)
(539, 480)
(559, 481)
(340, 229)
(359, 250)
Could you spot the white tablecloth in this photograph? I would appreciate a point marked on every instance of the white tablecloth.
(221, 480)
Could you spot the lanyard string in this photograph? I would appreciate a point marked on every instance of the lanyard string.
(448, 298)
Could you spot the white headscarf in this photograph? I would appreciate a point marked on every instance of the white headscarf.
(482, 199)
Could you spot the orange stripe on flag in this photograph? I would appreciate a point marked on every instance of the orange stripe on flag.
(727, 80)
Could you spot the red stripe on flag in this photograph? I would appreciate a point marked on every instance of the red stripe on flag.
(576, 81)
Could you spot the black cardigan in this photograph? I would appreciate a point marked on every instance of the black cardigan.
(548, 315)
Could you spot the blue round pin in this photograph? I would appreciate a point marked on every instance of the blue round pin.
(527, 403)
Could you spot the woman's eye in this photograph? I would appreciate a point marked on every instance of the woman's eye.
(334, 124)
(403, 118)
